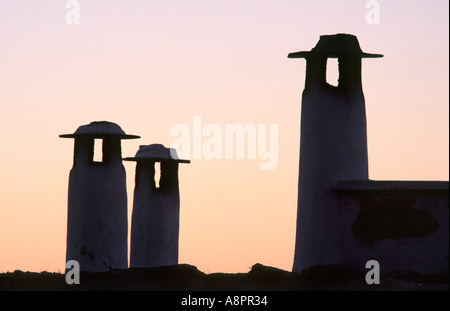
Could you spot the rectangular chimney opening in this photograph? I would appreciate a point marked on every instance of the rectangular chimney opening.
(332, 75)
(98, 150)
(157, 174)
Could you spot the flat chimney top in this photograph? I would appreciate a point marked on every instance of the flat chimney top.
(334, 46)
(100, 129)
(156, 153)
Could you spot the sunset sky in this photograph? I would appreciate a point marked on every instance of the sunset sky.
(149, 65)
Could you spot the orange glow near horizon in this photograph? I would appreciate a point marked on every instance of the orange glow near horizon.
(148, 65)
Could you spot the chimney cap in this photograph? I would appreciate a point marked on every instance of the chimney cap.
(334, 46)
(100, 129)
(156, 153)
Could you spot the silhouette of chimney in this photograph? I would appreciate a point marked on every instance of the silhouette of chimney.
(97, 223)
(156, 210)
(333, 146)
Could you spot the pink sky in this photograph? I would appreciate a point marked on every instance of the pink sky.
(148, 65)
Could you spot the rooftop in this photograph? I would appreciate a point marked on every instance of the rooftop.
(334, 46)
(157, 153)
(100, 129)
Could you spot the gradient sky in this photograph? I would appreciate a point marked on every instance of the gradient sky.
(148, 65)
